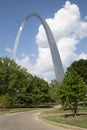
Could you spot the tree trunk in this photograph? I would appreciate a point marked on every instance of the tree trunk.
(75, 109)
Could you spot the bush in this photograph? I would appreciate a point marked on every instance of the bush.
(5, 101)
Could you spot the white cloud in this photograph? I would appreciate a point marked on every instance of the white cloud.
(25, 62)
(9, 50)
(43, 63)
(82, 56)
(33, 54)
(67, 48)
(85, 17)
(68, 28)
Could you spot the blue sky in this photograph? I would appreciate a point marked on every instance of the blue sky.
(67, 20)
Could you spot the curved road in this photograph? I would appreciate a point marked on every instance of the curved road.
(25, 121)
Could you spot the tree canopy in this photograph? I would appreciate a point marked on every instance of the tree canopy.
(53, 86)
(18, 86)
(80, 67)
(72, 91)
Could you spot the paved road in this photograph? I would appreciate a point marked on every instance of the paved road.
(25, 121)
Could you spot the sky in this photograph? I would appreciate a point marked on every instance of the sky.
(67, 20)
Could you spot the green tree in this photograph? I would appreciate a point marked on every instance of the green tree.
(18, 86)
(8, 76)
(53, 86)
(6, 101)
(24, 91)
(33, 90)
(40, 90)
(80, 67)
(14, 80)
(72, 91)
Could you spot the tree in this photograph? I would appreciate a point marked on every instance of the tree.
(18, 86)
(24, 88)
(80, 67)
(40, 90)
(14, 80)
(8, 76)
(72, 91)
(53, 86)
(6, 101)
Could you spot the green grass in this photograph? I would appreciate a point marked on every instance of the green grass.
(57, 115)
(76, 122)
(13, 110)
(55, 111)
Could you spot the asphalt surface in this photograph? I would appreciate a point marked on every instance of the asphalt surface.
(25, 121)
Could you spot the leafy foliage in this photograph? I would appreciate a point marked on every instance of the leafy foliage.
(72, 91)
(81, 68)
(18, 86)
(53, 86)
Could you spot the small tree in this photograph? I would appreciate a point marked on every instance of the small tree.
(72, 91)
(53, 86)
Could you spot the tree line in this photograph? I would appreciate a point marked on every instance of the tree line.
(73, 89)
(19, 88)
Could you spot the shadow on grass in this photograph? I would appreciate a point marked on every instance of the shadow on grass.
(79, 115)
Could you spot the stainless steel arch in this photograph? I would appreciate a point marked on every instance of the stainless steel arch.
(58, 68)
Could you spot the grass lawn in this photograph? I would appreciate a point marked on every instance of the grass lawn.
(58, 117)
(75, 122)
(13, 110)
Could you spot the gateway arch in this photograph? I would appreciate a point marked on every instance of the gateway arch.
(58, 67)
